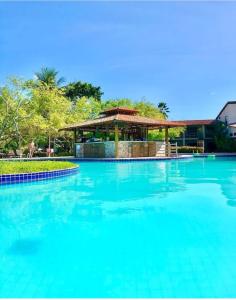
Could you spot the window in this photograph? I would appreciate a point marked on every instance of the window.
(191, 132)
(226, 120)
(209, 131)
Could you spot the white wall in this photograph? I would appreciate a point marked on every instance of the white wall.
(229, 115)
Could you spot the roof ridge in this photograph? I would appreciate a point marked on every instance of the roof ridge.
(226, 104)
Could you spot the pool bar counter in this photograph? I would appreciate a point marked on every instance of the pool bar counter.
(126, 149)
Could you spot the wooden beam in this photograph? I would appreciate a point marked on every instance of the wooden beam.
(75, 139)
(116, 141)
(167, 140)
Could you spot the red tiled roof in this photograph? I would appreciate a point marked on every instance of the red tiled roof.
(147, 121)
(128, 119)
(125, 115)
(118, 110)
(197, 122)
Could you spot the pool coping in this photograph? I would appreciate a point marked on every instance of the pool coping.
(153, 158)
(36, 176)
(126, 159)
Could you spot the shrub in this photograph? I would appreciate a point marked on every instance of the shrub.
(58, 154)
(222, 140)
(190, 149)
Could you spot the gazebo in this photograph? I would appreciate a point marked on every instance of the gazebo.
(130, 135)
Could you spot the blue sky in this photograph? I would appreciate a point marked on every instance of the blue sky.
(183, 53)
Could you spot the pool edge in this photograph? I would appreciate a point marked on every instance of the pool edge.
(36, 176)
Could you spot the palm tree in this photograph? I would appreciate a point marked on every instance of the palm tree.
(48, 76)
(164, 109)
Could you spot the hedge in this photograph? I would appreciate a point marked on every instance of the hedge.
(190, 149)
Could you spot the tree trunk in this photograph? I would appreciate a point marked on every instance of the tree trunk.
(49, 146)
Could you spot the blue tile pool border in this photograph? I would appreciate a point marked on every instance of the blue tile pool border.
(36, 176)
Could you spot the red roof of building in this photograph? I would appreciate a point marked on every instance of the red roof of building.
(197, 122)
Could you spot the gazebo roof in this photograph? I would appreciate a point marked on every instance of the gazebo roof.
(119, 110)
(122, 116)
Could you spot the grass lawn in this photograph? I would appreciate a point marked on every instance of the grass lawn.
(16, 167)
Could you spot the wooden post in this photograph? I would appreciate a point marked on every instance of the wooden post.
(75, 139)
(116, 141)
(49, 145)
(107, 133)
(203, 132)
(166, 140)
(184, 137)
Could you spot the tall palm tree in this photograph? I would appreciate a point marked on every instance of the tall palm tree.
(164, 109)
(48, 76)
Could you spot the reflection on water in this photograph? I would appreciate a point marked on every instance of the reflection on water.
(24, 247)
(126, 229)
(101, 189)
(91, 194)
(231, 203)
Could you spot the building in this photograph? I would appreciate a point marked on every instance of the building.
(228, 116)
(128, 132)
(201, 132)
(197, 133)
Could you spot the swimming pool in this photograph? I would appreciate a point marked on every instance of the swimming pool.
(122, 229)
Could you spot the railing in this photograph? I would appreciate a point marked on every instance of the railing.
(173, 149)
(201, 145)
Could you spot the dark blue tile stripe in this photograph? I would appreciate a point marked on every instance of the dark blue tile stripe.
(126, 159)
(17, 178)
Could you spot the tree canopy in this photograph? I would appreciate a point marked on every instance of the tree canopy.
(48, 76)
(164, 109)
(145, 108)
(78, 89)
(36, 109)
(13, 116)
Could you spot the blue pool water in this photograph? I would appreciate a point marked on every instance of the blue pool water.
(125, 229)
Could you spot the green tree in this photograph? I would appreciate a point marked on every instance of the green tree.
(37, 109)
(50, 110)
(48, 76)
(148, 109)
(78, 89)
(160, 134)
(37, 112)
(221, 138)
(84, 109)
(145, 108)
(13, 115)
(119, 102)
(164, 109)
